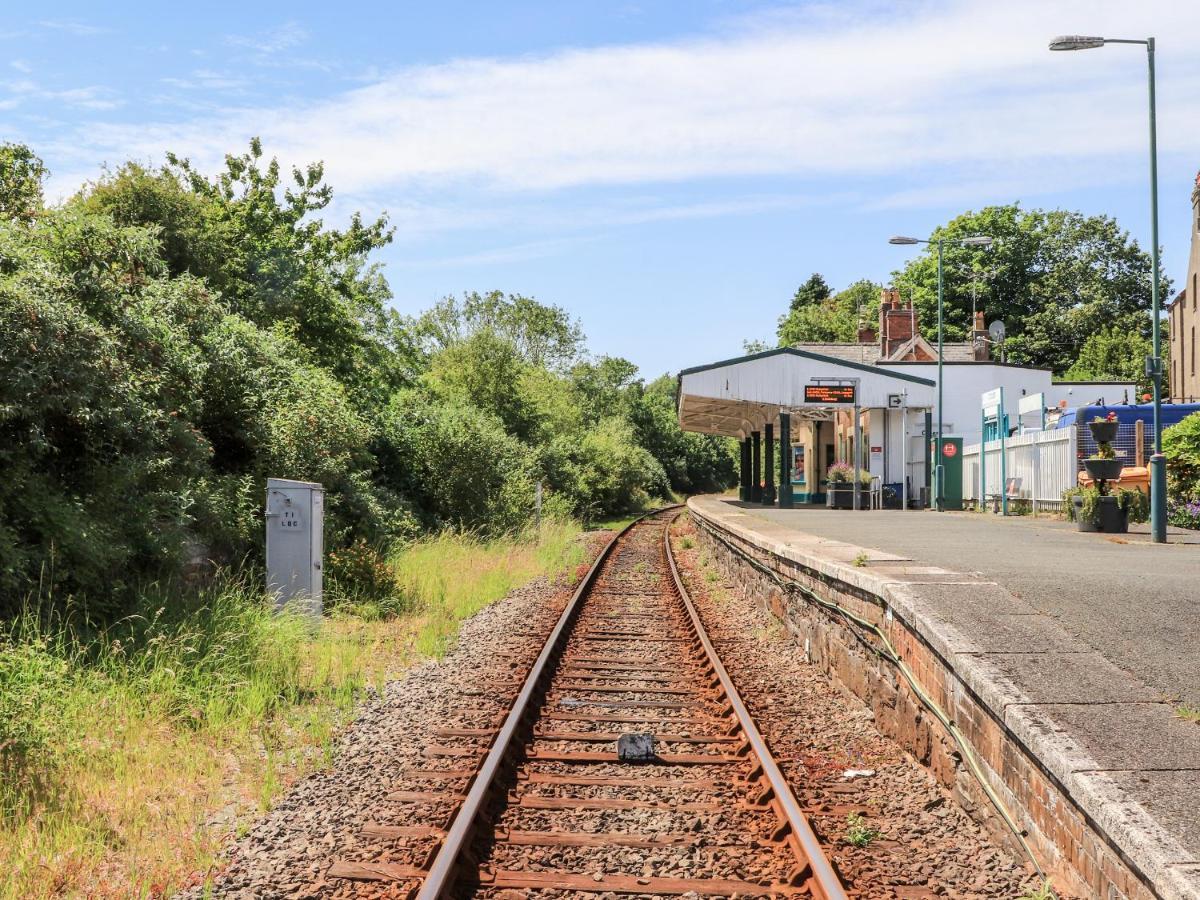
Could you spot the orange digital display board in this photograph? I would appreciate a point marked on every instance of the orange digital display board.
(829, 393)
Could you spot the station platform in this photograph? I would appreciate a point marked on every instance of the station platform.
(1085, 648)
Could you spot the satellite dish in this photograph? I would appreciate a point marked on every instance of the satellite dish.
(996, 331)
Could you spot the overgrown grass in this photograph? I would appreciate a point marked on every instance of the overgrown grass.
(119, 745)
(450, 577)
(129, 755)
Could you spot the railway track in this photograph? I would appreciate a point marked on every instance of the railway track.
(547, 799)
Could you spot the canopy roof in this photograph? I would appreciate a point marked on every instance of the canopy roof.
(737, 396)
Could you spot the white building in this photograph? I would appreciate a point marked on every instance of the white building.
(762, 397)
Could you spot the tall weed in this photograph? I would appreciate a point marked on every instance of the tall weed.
(451, 576)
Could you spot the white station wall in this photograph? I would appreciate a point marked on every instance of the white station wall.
(966, 384)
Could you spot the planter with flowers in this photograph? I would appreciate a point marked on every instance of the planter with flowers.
(839, 492)
(1098, 507)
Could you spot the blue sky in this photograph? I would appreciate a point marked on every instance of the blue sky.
(667, 171)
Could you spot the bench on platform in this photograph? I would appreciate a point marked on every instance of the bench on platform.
(1012, 490)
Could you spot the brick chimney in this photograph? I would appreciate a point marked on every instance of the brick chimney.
(980, 340)
(897, 323)
(867, 333)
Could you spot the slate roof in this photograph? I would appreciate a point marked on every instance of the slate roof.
(868, 354)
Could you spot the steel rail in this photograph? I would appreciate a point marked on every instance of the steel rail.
(442, 871)
(827, 881)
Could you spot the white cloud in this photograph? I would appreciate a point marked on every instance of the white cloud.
(75, 27)
(21, 66)
(965, 89)
(92, 97)
(285, 37)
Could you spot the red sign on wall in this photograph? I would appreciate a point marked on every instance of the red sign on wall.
(949, 450)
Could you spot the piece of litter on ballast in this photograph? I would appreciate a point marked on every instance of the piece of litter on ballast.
(570, 701)
(635, 747)
(851, 774)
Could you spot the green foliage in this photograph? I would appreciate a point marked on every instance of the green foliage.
(858, 832)
(542, 335)
(1112, 355)
(169, 341)
(21, 175)
(835, 318)
(812, 293)
(1134, 502)
(1043, 891)
(604, 471)
(1181, 446)
(457, 463)
(1055, 277)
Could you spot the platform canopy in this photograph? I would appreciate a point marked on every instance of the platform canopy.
(738, 396)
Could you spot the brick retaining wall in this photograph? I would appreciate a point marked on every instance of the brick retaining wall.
(1072, 849)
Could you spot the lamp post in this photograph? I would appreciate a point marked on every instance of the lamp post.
(1158, 463)
(978, 240)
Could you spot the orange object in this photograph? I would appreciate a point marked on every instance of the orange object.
(1132, 478)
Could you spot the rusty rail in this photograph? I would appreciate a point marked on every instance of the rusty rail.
(826, 883)
(441, 871)
(820, 880)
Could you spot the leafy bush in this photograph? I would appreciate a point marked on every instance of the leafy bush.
(603, 471)
(169, 341)
(359, 576)
(457, 463)
(1134, 502)
(1184, 515)
(1181, 445)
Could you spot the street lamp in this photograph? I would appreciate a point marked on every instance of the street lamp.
(1158, 467)
(978, 240)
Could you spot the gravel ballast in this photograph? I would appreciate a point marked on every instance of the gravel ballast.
(321, 819)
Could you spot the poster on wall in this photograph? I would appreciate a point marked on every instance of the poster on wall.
(798, 464)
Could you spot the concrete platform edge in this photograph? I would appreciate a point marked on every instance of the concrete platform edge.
(1147, 848)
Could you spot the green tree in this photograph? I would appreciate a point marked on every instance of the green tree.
(543, 335)
(256, 238)
(457, 463)
(812, 293)
(835, 318)
(1112, 355)
(21, 176)
(485, 371)
(1056, 278)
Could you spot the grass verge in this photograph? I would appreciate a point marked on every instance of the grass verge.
(129, 756)
(452, 576)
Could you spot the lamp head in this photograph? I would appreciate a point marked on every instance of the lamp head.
(1076, 42)
(979, 240)
(898, 239)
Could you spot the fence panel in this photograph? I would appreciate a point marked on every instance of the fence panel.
(1041, 465)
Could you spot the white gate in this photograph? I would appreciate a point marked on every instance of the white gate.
(1039, 467)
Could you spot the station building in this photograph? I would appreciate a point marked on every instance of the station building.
(795, 409)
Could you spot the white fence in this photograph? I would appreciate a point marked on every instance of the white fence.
(1039, 467)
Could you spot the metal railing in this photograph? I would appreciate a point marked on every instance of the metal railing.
(1038, 467)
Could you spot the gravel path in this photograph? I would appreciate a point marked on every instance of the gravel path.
(321, 819)
(927, 846)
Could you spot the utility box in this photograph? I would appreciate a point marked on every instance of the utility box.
(295, 514)
(952, 470)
